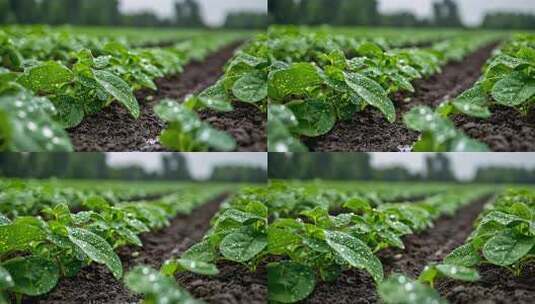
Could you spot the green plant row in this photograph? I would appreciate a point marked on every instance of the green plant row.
(312, 79)
(312, 233)
(504, 236)
(508, 80)
(50, 80)
(36, 251)
(27, 197)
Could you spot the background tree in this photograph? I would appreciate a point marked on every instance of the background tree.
(188, 14)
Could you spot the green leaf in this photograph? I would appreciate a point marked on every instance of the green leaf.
(216, 139)
(47, 77)
(399, 289)
(372, 93)
(69, 112)
(315, 117)
(465, 255)
(514, 90)
(202, 251)
(506, 248)
(289, 282)
(250, 88)
(6, 281)
(97, 249)
(18, 235)
(473, 102)
(119, 89)
(199, 267)
(457, 272)
(241, 247)
(355, 252)
(32, 275)
(357, 204)
(295, 80)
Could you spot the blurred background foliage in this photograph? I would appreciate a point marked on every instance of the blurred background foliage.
(366, 13)
(107, 13)
(174, 167)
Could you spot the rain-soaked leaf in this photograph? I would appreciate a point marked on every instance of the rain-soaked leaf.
(32, 275)
(314, 117)
(199, 267)
(399, 289)
(250, 88)
(47, 77)
(97, 249)
(355, 252)
(506, 248)
(289, 282)
(6, 280)
(119, 89)
(20, 233)
(241, 247)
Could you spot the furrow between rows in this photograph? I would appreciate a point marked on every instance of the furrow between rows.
(369, 131)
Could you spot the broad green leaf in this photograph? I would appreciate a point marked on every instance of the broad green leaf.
(119, 89)
(97, 249)
(47, 77)
(289, 282)
(250, 88)
(295, 80)
(357, 204)
(171, 111)
(156, 287)
(202, 251)
(399, 289)
(473, 102)
(315, 117)
(506, 248)
(514, 90)
(6, 281)
(18, 235)
(241, 247)
(465, 255)
(32, 275)
(70, 112)
(457, 272)
(218, 140)
(199, 267)
(372, 93)
(355, 252)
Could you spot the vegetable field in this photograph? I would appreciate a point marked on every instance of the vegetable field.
(336, 89)
(88, 89)
(287, 242)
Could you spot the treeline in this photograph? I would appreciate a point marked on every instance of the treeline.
(95, 166)
(187, 13)
(366, 13)
(358, 166)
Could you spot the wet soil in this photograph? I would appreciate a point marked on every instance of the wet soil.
(369, 131)
(114, 130)
(434, 244)
(507, 130)
(95, 284)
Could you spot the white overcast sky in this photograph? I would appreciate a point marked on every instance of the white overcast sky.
(214, 11)
(200, 164)
(472, 11)
(464, 164)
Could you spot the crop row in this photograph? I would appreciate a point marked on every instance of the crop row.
(50, 80)
(307, 234)
(508, 80)
(36, 251)
(317, 79)
(504, 236)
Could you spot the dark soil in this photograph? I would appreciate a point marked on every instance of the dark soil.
(434, 244)
(497, 286)
(369, 131)
(506, 131)
(95, 284)
(114, 130)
